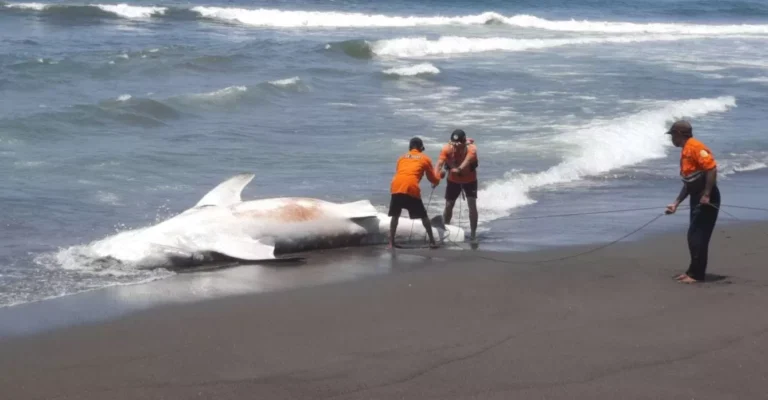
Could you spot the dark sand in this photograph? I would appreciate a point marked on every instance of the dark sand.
(608, 325)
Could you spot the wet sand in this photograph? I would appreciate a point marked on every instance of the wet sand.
(473, 325)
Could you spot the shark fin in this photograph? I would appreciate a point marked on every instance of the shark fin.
(227, 192)
(245, 248)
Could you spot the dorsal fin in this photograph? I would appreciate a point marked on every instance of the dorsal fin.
(227, 192)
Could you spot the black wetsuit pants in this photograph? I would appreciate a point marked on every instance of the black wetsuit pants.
(703, 219)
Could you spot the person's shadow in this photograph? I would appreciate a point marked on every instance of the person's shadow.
(714, 278)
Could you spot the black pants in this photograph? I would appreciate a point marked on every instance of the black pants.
(703, 219)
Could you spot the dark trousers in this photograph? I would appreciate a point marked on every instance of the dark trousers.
(703, 219)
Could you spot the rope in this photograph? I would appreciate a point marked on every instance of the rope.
(603, 246)
(592, 250)
(576, 214)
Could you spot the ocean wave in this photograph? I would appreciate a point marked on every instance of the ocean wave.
(600, 147)
(277, 18)
(150, 112)
(530, 21)
(74, 11)
(447, 45)
(413, 70)
(288, 82)
(233, 96)
(295, 19)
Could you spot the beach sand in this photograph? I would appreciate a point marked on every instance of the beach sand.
(467, 325)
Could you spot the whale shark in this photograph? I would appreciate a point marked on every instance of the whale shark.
(222, 225)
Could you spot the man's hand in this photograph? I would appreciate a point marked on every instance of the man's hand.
(704, 200)
(671, 208)
(456, 170)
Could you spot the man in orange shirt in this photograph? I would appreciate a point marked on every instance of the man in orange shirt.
(405, 189)
(698, 170)
(460, 159)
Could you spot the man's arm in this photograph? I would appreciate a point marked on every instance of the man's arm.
(439, 167)
(440, 161)
(471, 155)
(432, 174)
(706, 161)
(711, 176)
(683, 194)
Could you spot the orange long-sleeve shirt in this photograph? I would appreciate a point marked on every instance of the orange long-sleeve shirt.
(411, 167)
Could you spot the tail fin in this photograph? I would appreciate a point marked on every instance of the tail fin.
(438, 222)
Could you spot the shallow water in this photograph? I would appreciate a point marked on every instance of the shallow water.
(115, 117)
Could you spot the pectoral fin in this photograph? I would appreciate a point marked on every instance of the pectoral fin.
(245, 248)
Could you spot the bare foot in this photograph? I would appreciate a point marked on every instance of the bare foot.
(390, 246)
(681, 276)
(433, 245)
(688, 279)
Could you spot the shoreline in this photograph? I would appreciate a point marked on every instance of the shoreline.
(606, 325)
(343, 265)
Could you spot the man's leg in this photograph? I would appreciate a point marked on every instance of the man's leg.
(395, 208)
(692, 239)
(706, 220)
(448, 211)
(472, 204)
(470, 190)
(428, 228)
(393, 228)
(703, 219)
(452, 191)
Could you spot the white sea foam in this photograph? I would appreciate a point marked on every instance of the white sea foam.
(599, 147)
(296, 18)
(413, 70)
(751, 167)
(227, 92)
(530, 21)
(446, 45)
(124, 97)
(290, 19)
(132, 12)
(286, 82)
(759, 79)
(27, 6)
(122, 10)
(108, 198)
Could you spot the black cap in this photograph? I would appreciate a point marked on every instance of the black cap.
(681, 127)
(459, 136)
(417, 144)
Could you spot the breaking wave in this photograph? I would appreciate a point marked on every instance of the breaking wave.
(276, 18)
(92, 11)
(599, 147)
(413, 70)
(446, 45)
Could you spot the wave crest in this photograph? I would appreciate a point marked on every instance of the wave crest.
(600, 147)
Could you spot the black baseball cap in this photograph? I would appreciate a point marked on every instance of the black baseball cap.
(459, 136)
(682, 127)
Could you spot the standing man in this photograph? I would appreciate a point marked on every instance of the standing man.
(405, 189)
(460, 159)
(698, 170)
